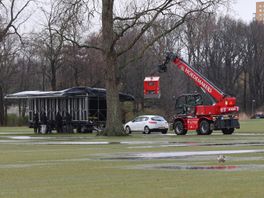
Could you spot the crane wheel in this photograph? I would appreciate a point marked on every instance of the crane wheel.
(204, 128)
(228, 131)
(179, 128)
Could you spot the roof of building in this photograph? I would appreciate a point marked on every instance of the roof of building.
(71, 92)
(152, 78)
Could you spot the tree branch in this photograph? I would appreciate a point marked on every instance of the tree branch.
(177, 24)
(146, 27)
(13, 18)
(77, 43)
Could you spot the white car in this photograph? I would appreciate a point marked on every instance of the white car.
(147, 124)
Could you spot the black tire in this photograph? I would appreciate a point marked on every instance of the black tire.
(79, 129)
(204, 128)
(146, 130)
(164, 131)
(128, 130)
(86, 129)
(228, 131)
(179, 128)
(210, 132)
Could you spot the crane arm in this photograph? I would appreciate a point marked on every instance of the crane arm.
(192, 73)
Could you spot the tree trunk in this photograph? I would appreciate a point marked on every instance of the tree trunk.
(2, 110)
(113, 123)
(5, 114)
(245, 92)
(53, 77)
(43, 79)
(76, 77)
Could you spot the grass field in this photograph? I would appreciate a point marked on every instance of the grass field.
(85, 165)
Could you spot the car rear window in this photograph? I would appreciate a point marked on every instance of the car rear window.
(157, 118)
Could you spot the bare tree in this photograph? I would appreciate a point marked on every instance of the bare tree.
(9, 50)
(254, 67)
(51, 44)
(9, 24)
(117, 23)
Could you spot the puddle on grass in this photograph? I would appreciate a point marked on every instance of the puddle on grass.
(147, 144)
(188, 144)
(189, 167)
(6, 166)
(71, 143)
(64, 140)
(219, 167)
(173, 155)
(21, 137)
(153, 155)
(43, 163)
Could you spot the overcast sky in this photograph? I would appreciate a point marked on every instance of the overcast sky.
(240, 9)
(244, 9)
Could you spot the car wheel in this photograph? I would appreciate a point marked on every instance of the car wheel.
(146, 130)
(228, 131)
(128, 130)
(164, 131)
(179, 128)
(204, 128)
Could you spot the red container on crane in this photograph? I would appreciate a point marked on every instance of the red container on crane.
(152, 87)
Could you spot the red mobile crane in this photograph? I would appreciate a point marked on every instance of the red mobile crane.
(192, 114)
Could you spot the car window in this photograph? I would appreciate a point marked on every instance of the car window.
(158, 118)
(137, 119)
(140, 119)
(145, 119)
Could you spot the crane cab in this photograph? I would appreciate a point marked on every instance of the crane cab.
(152, 87)
(185, 104)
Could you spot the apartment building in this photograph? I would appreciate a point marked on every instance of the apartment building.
(260, 11)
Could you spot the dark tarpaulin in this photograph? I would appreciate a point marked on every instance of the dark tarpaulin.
(71, 92)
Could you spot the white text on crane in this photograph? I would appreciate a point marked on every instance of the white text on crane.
(198, 80)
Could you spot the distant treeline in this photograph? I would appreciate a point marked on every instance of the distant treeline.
(229, 52)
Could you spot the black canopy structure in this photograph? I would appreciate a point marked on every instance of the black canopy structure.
(84, 106)
(71, 92)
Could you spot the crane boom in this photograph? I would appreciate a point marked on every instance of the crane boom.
(200, 80)
(196, 76)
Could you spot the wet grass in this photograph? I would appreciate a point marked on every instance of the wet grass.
(17, 130)
(78, 171)
(35, 168)
(253, 126)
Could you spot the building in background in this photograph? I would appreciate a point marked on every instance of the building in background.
(260, 11)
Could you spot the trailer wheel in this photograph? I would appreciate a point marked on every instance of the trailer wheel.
(179, 128)
(204, 128)
(228, 131)
(86, 129)
(79, 129)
